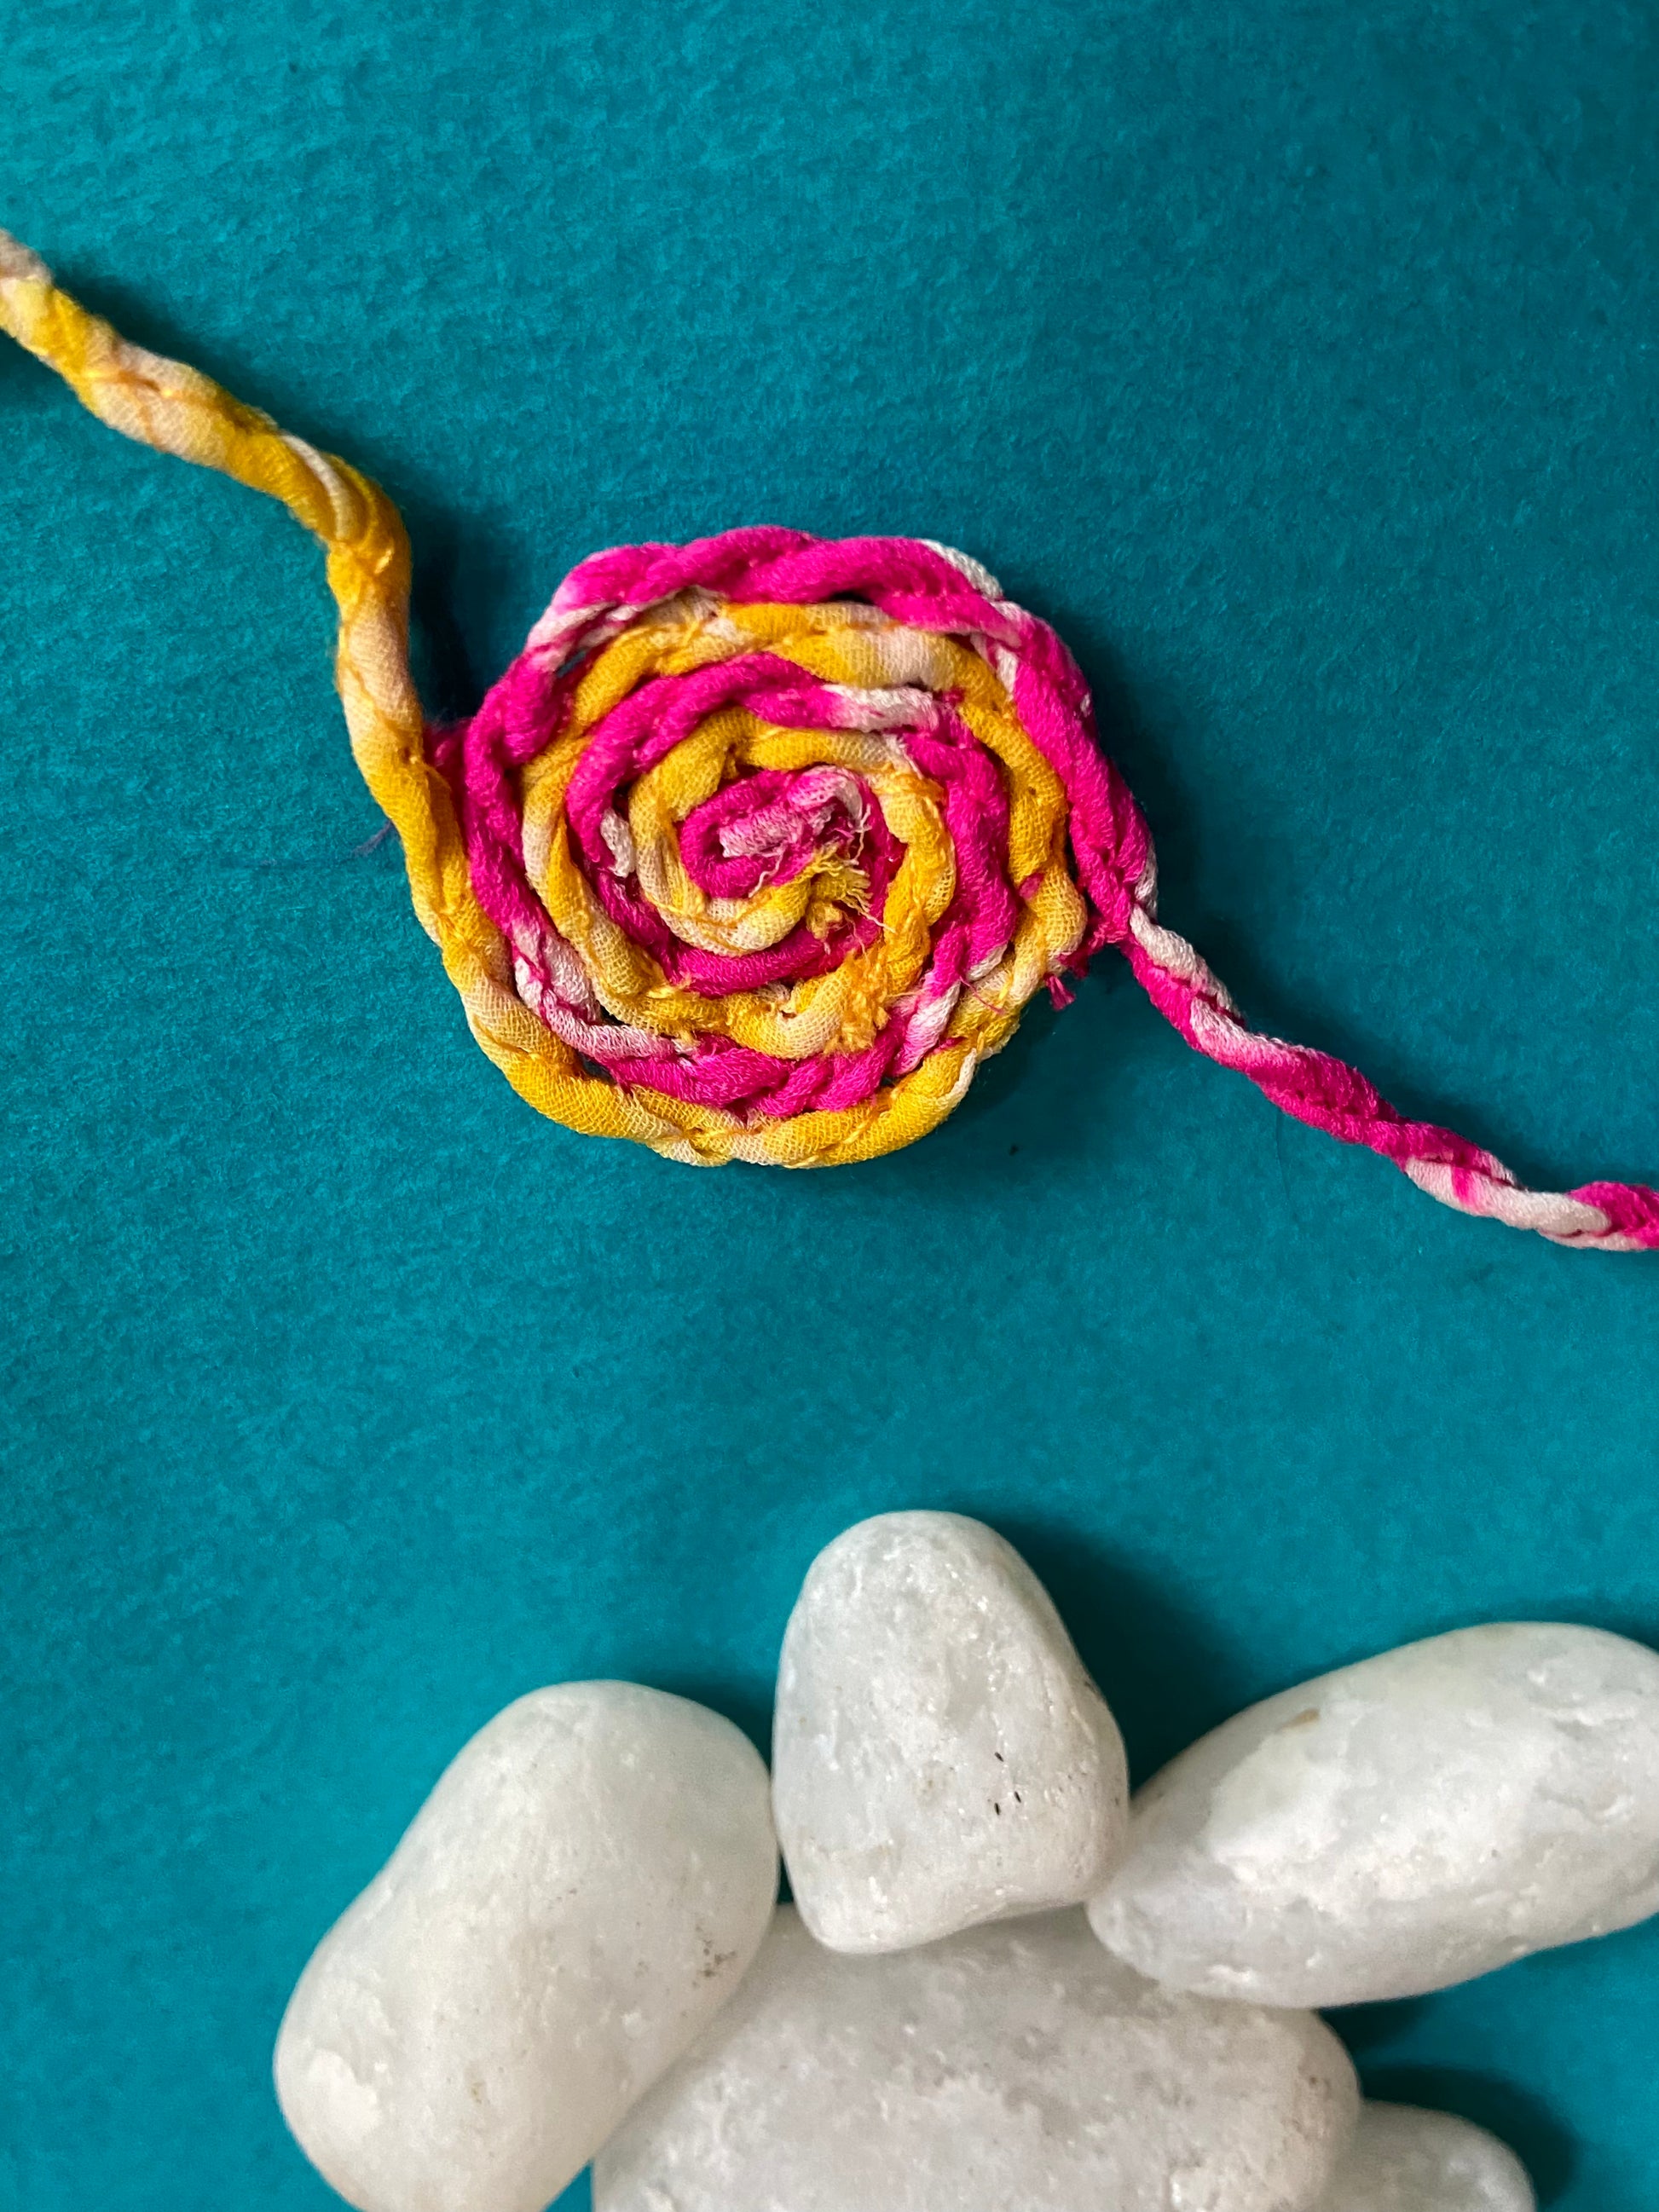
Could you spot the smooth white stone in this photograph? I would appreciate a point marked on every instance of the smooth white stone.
(1402, 1824)
(1402, 2161)
(1009, 2069)
(572, 1904)
(939, 1755)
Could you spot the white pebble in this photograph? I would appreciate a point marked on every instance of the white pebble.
(1012, 2068)
(1401, 2160)
(941, 1757)
(574, 1902)
(1402, 1824)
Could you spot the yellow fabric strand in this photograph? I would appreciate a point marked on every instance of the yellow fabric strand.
(176, 409)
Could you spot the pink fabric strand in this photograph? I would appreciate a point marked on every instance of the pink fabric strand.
(921, 586)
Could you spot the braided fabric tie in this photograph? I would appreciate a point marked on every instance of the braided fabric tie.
(763, 842)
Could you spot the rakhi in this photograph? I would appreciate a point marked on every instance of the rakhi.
(763, 842)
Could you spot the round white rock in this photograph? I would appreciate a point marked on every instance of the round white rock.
(1402, 2161)
(941, 1757)
(1012, 2068)
(1402, 1824)
(572, 1904)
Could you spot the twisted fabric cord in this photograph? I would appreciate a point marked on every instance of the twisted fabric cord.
(763, 842)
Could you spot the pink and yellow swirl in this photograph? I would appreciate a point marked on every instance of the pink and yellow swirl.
(778, 835)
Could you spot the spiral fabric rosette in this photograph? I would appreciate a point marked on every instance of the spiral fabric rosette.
(763, 842)
(779, 835)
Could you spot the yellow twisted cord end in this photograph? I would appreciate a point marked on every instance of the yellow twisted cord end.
(176, 409)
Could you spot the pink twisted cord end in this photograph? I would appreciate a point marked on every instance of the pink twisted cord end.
(1317, 1088)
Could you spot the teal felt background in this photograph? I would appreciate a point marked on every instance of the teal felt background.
(1299, 361)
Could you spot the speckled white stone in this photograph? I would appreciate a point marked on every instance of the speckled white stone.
(574, 1902)
(1401, 1824)
(1401, 2160)
(1011, 2069)
(940, 1756)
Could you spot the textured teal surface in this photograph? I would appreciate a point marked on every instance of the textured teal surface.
(1299, 361)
